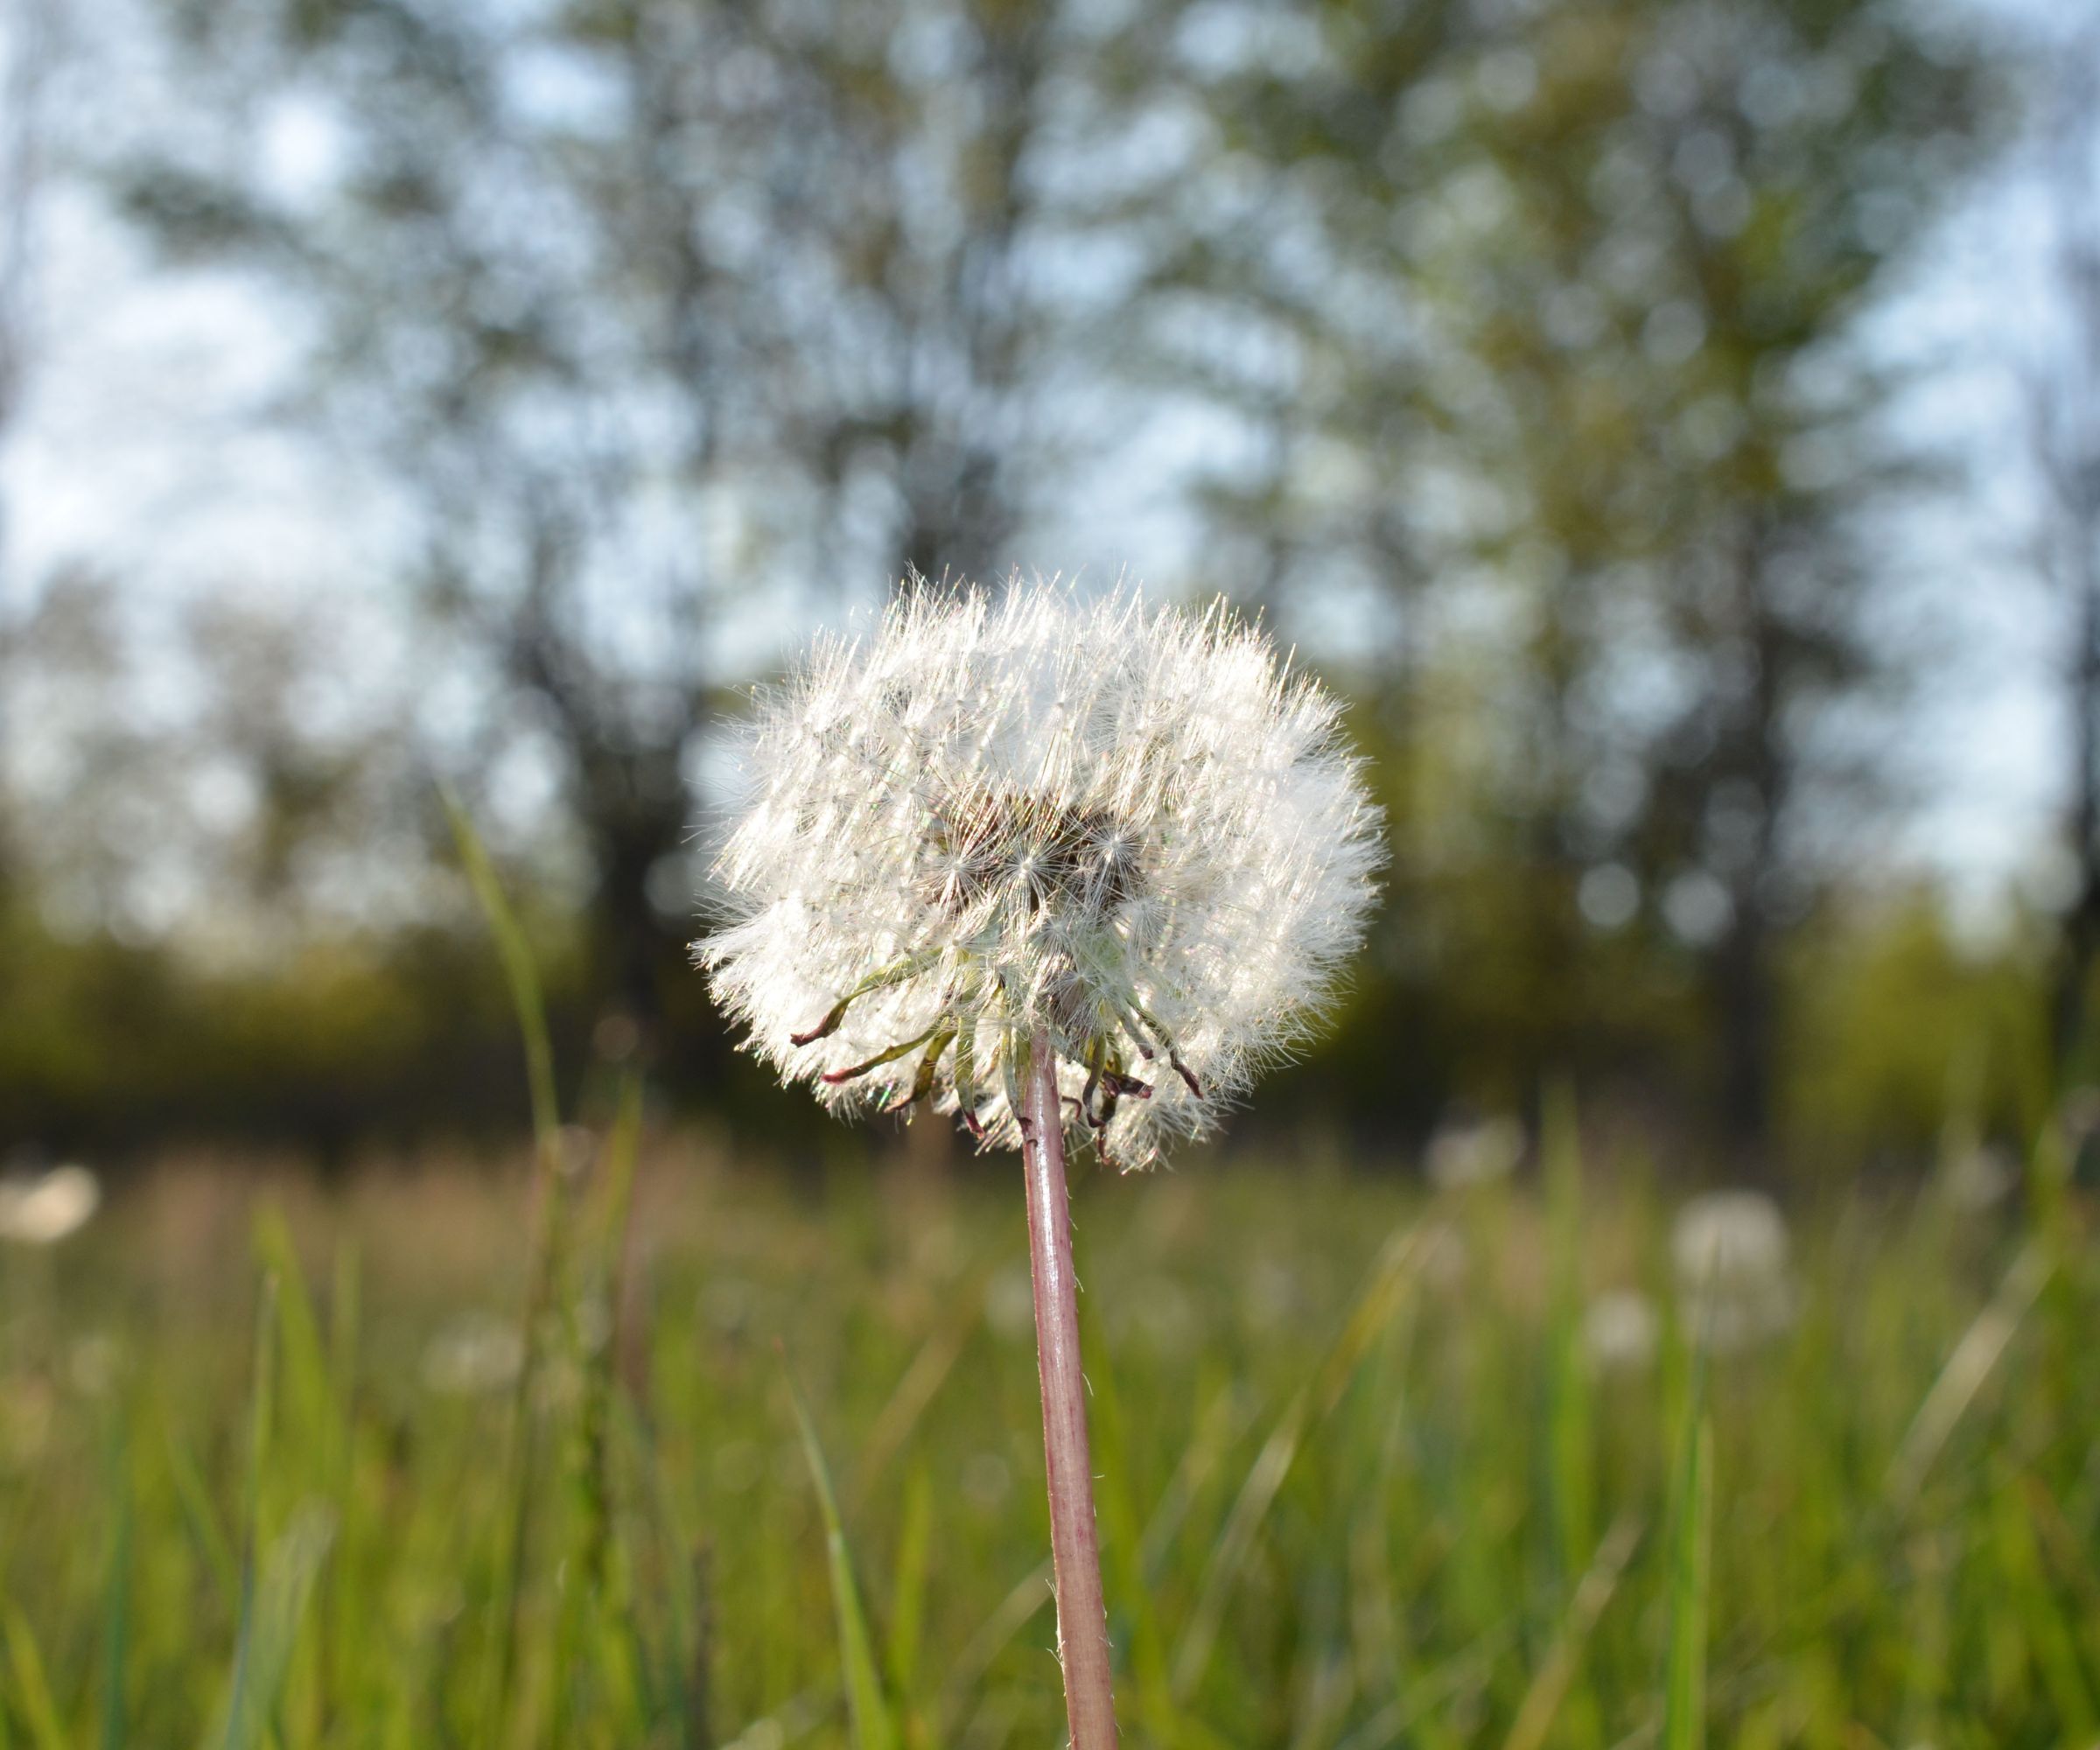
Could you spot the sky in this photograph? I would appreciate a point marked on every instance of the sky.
(139, 453)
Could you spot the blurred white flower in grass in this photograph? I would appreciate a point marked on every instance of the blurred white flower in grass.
(1730, 1254)
(43, 1210)
(1979, 1178)
(1129, 828)
(1620, 1331)
(1478, 1152)
(476, 1353)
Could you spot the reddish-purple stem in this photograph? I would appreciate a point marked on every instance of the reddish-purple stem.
(1082, 1619)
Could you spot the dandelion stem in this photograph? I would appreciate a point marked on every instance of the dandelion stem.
(1082, 1624)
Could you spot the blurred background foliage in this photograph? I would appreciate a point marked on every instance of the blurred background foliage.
(1523, 362)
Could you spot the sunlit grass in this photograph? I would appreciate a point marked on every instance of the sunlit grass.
(1364, 1480)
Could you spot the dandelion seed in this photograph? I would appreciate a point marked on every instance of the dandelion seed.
(1052, 868)
(1120, 825)
(44, 1210)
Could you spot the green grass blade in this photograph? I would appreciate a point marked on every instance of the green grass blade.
(2052, 1643)
(519, 970)
(873, 1728)
(261, 1414)
(920, 1384)
(1684, 1680)
(116, 1600)
(1966, 1369)
(346, 1622)
(279, 1606)
(1466, 1673)
(1221, 1421)
(31, 1688)
(594, 1432)
(623, 1152)
(202, 1519)
(548, 1250)
(1122, 1538)
(1549, 1684)
(1013, 1613)
(309, 1398)
(907, 1589)
(1568, 1419)
(345, 1303)
(1373, 1310)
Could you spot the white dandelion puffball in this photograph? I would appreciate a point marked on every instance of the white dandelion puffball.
(1730, 1238)
(43, 1211)
(1125, 826)
(1731, 1252)
(1620, 1330)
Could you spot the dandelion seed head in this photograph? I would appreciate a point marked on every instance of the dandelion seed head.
(1479, 1152)
(1731, 1253)
(1979, 1178)
(1620, 1330)
(1729, 1238)
(44, 1210)
(1123, 825)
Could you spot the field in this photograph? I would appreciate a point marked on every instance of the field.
(1378, 1465)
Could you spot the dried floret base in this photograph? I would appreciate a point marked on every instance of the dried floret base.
(1082, 1623)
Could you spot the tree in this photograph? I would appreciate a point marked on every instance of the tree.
(669, 319)
(1628, 244)
(1786, 156)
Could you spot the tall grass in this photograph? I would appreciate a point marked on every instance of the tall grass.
(1336, 1465)
(652, 1447)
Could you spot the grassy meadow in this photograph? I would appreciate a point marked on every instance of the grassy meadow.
(1379, 1465)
